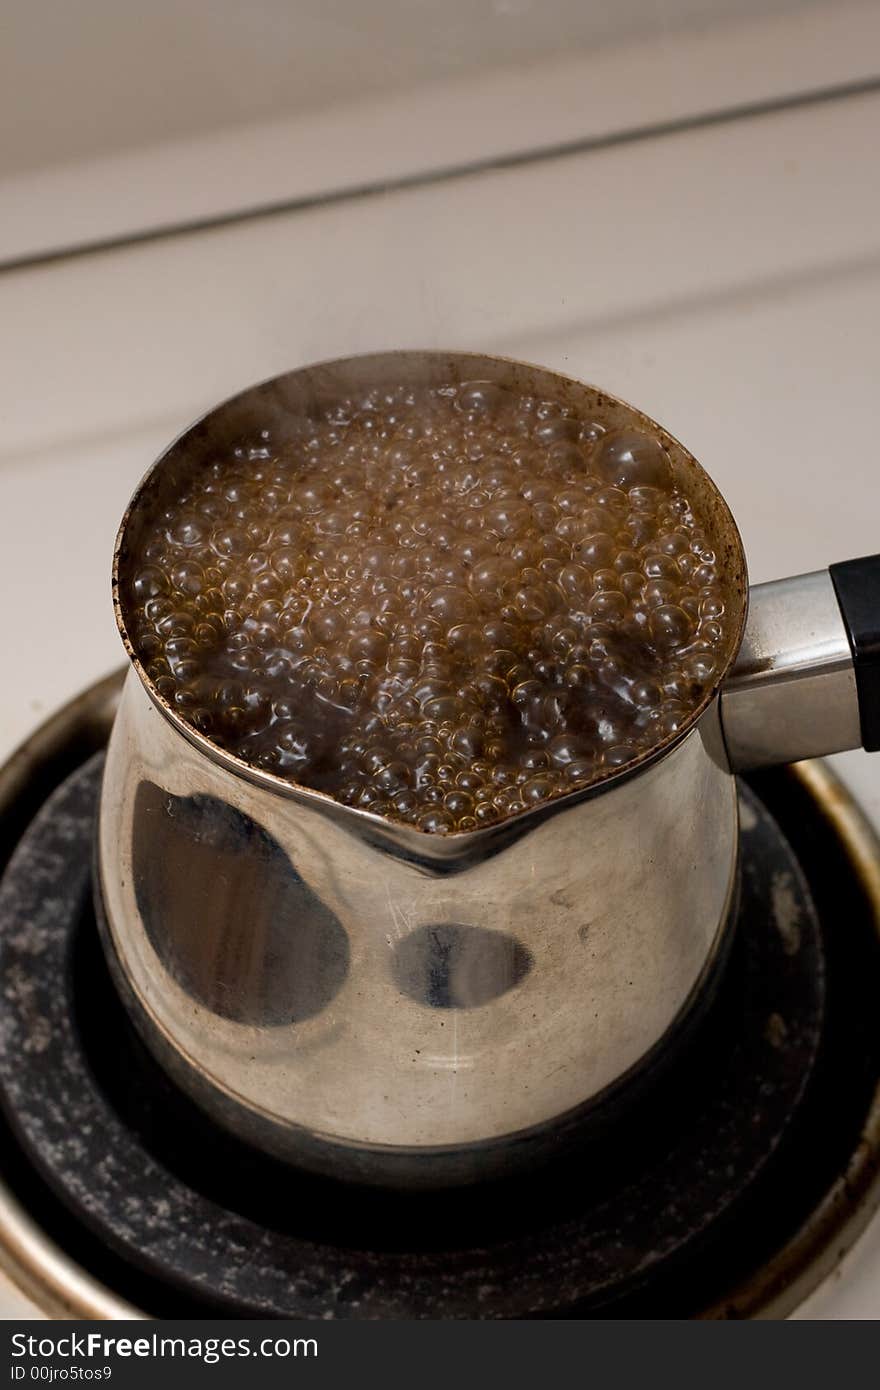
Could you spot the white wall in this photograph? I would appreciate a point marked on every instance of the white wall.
(82, 79)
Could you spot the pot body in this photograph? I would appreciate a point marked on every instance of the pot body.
(364, 998)
(333, 994)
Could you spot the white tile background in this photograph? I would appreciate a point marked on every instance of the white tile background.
(159, 122)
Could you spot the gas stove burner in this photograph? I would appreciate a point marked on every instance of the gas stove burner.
(727, 1190)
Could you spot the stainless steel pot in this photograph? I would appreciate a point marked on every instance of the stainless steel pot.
(365, 999)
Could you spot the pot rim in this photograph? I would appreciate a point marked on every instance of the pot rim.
(418, 844)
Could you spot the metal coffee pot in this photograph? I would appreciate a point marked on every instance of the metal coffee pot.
(376, 1003)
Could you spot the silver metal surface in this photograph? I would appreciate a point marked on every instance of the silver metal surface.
(350, 993)
(328, 995)
(792, 691)
(58, 1286)
(344, 990)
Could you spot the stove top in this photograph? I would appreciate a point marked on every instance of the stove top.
(727, 1188)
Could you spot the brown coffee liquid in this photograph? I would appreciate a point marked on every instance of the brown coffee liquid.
(442, 605)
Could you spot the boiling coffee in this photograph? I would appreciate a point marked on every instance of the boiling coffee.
(443, 605)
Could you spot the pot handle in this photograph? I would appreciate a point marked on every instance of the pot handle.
(806, 681)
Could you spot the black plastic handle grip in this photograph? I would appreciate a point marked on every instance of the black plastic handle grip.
(857, 585)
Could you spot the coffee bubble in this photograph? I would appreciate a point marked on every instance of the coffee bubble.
(444, 606)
